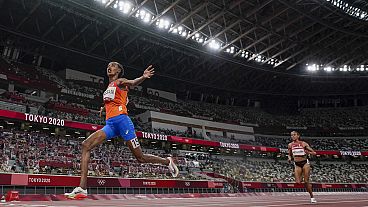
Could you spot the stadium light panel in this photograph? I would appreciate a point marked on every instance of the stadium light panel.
(258, 58)
(126, 7)
(175, 31)
(163, 24)
(214, 45)
(327, 69)
(312, 67)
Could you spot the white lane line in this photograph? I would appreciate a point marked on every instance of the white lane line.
(322, 202)
(234, 202)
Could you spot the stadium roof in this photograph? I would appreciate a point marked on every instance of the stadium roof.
(253, 46)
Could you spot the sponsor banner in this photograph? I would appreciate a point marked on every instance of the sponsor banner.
(258, 148)
(229, 145)
(77, 75)
(44, 119)
(77, 93)
(5, 179)
(52, 180)
(185, 140)
(351, 153)
(56, 180)
(92, 127)
(194, 184)
(107, 182)
(251, 185)
(290, 185)
(162, 94)
(19, 179)
(147, 135)
(351, 128)
(48, 120)
(327, 152)
(364, 153)
(151, 183)
(296, 127)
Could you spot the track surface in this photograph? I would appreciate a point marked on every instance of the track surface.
(267, 200)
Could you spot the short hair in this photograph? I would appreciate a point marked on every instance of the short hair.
(296, 132)
(121, 67)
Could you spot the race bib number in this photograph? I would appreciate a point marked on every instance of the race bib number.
(135, 143)
(298, 152)
(109, 94)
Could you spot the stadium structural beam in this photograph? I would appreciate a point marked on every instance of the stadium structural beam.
(267, 30)
(316, 19)
(238, 38)
(54, 25)
(253, 44)
(267, 19)
(266, 49)
(280, 52)
(255, 10)
(289, 23)
(278, 29)
(305, 46)
(289, 57)
(165, 11)
(348, 54)
(303, 40)
(342, 46)
(128, 42)
(137, 8)
(194, 11)
(34, 8)
(106, 35)
(351, 60)
(216, 16)
(224, 30)
(79, 33)
(320, 49)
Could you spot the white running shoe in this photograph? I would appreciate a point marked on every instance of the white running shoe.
(78, 193)
(313, 200)
(173, 168)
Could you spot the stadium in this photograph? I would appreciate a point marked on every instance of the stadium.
(184, 103)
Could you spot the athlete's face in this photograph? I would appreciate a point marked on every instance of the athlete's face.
(112, 69)
(294, 136)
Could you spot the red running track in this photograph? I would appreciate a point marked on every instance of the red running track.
(259, 200)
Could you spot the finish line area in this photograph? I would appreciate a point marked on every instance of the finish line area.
(337, 199)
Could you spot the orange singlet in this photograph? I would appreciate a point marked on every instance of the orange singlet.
(115, 100)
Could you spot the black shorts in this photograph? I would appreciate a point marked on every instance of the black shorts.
(301, 163)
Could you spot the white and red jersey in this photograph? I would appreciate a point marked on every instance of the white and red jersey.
(297, 149)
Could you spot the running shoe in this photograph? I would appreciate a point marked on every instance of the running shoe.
(173, 168)
(313, 200)
(78, 193)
